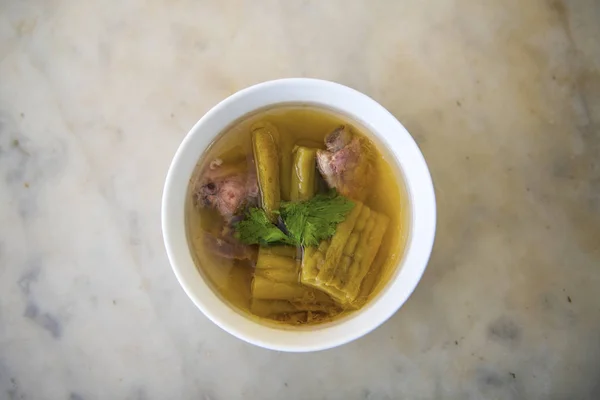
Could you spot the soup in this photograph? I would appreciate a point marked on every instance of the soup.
(295, 215)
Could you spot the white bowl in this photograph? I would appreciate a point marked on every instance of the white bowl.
(418, 186)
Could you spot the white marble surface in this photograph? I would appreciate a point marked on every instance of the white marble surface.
(503, 98)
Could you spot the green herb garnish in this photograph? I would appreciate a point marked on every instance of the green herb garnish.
(307, 222)
(256, 228)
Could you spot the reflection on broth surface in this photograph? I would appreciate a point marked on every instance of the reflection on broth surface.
(296, 216)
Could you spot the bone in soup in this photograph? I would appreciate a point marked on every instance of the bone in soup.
(296, 216)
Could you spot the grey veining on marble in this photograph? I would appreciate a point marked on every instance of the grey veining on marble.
(503, 98)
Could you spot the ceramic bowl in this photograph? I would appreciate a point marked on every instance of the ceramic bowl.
(389, 132)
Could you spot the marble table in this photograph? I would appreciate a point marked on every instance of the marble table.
(503, 98)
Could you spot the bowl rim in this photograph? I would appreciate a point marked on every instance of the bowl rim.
(389, 131)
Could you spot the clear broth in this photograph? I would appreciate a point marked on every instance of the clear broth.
(231, 279)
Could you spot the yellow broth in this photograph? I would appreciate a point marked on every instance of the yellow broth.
(305, 125)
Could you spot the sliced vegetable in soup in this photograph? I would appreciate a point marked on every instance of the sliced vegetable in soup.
(296, 216)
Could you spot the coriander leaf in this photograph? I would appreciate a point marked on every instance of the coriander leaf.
(309, 222)
(256, 228)
(294, 226)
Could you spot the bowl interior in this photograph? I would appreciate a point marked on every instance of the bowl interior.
(229, 282)
(388, 131)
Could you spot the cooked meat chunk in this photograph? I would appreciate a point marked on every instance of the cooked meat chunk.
(339, 138)
(226, 187)
(229, 247)
(346, 164)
